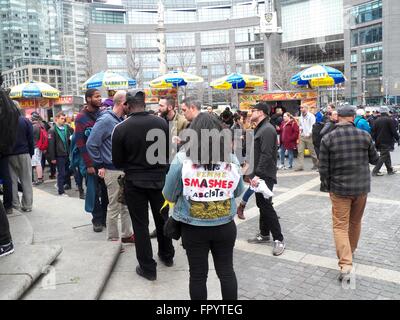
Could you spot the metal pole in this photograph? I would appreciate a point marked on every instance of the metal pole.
(267, 59)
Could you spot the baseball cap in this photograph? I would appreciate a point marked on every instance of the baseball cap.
(135, 96)
(262, 106)
(346, 111)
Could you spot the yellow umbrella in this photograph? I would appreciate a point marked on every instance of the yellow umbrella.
(34, 89)
(175, 79)
(237, 81)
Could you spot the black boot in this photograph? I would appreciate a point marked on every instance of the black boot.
(81, 194)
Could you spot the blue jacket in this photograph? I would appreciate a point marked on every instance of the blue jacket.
(24, 142)
(362, 124)
(99, 143)
(173, 192)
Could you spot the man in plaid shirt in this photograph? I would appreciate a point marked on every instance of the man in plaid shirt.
(344, 161)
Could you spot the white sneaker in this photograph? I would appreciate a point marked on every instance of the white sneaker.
(281, 167)
(64, 195)
(279, 247)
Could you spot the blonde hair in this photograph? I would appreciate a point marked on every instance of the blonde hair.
(289, 115)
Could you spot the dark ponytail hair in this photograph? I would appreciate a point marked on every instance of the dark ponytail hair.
(203, 150)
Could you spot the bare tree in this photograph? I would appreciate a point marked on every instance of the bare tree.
(223, 60)
(284, 67)
(134, 64)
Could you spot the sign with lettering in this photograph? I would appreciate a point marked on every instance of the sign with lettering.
(202, 185)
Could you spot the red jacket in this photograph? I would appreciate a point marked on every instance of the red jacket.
(289, 134)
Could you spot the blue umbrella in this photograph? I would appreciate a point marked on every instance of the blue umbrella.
(109, 80)
(318, 76)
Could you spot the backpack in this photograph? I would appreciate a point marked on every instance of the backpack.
(43, 142)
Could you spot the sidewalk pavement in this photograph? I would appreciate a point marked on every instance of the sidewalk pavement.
(57, 254)
(89, 267)
(308, 269)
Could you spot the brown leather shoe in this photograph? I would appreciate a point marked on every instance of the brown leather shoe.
(240, 211)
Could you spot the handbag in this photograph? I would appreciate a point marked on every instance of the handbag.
(172, 229)
(121, 191)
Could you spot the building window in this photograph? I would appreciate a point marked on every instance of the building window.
(373, 70)
(367, 12)
(354, 57)
(373, 88)
(354, 74)
(108, 17)
(114, 40)
(366, 35)
(116, 60)
(215, 37)
(212, 14)
(145, 40)
(371, 54)
(183, 39)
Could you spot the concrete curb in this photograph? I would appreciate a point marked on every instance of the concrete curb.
(20, 270)
(80, 273)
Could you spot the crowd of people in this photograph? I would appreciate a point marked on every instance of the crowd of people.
(109, 153)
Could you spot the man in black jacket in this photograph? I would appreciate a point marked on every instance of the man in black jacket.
(9, 121)
(145, 178)
(384, 133)
(265, 161)
(59, 145)
(344, 161)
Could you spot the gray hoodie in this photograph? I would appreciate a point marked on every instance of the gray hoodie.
(99, 143)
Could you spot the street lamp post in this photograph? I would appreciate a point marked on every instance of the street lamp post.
(269, 26)
(363, 92)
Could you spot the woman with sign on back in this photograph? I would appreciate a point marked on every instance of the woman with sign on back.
(203, 182)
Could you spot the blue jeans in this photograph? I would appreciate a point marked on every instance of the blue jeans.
(247, 195)
(282, 156)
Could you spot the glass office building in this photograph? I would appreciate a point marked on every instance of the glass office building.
(372, 51)
(208, 38)
(313, 31)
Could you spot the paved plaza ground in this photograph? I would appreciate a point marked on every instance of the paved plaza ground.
(91, 268)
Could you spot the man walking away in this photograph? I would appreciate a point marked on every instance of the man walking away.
(144, 181)
(265, 160)
(345, 156)
(20, 165)
(307, 120)
(384, 133)
(84, 123)
(59, 146)
(99, 146)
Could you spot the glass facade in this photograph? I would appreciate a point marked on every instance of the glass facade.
(215, 37)
(317, 53)
(116, 60)
(114, 40)
(108, 17)
(367, 12)
(371, 54)
(373, 70)
(367, 35)
(308, 19)
(176, 11)
(182, 39)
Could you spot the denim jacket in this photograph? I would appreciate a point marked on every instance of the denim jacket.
(213, 213)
